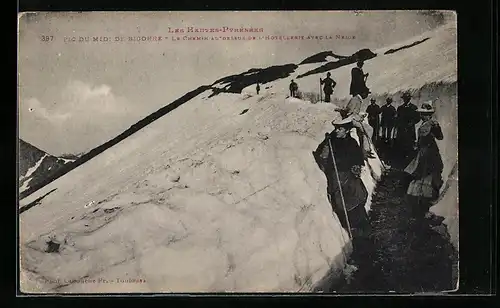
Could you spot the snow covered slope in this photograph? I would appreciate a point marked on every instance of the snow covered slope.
(431, 60)
(227, 202)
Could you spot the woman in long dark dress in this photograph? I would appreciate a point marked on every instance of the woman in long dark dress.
(426, 168)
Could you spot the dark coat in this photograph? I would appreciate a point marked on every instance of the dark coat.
(427, 167)
(388, 117)
(358, 84)
(373, 111)
(329, 84)
(347, 154)
(428, 160)
(407, 117)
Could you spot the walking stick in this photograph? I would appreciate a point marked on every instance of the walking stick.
(393, 135)
(340, 188)
(320, 96)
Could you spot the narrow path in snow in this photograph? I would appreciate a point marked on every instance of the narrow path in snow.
(402, 253)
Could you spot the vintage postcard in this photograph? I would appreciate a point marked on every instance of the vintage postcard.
(194, 152)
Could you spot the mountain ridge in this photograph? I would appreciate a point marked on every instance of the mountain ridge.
(36, 165)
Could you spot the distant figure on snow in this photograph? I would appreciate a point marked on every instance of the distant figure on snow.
(353, 110)
(358, 80)
(329, 85)
(387, 120)
(349, 161)
(258, 88)
(426, 168)
(407, 117)
(373, 111)
(293, 88)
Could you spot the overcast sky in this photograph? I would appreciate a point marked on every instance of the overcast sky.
(75, 96)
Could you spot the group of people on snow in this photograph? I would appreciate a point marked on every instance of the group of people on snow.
(382, 120)
(342, 159)
(388, 121)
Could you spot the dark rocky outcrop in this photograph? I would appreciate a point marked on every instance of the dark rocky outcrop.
(36, 165)
(28, 156)
(35, 202)
(405, 46)
(363, 55)
(236, 83)
(321, 57)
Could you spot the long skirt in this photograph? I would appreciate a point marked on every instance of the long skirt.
(355, 194)
(358, 220)
(426, 171)
(425, 187)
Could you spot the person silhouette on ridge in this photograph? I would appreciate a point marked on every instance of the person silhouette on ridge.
(293, 88)
(329, 85)
(358, 80)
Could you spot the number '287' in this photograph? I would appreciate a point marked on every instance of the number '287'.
(47, 38)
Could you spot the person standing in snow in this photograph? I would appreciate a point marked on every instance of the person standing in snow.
(407, 117)
(353, 110)
(426, 168)
(349, 161)
(258, 88)
(293, 88)
(329, 85)
(388, 119)
(373, 111)
(358, 80)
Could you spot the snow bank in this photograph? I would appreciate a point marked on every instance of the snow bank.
(228, 202)
(447, 116)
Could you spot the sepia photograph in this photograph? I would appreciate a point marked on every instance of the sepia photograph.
(238, 152)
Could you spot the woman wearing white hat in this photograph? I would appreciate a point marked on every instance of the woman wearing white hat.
(426, 168)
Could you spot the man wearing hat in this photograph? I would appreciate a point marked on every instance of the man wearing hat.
(373, 111)
(407, 117)
(293, 88)
(426, 168)
(358, 80)
(349, 161)
(329, 85)
(388, 118)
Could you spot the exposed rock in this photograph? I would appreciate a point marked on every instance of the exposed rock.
(174, 178)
